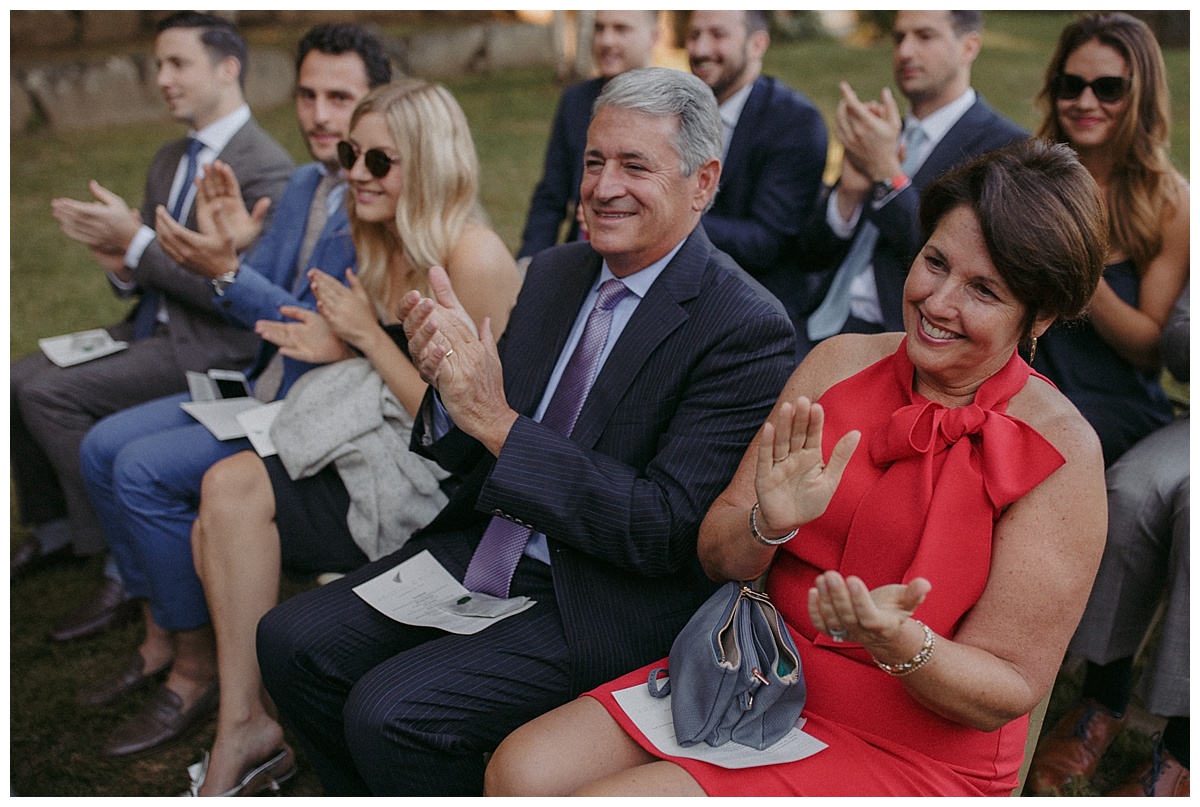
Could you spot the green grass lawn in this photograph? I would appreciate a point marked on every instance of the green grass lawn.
(55, 288)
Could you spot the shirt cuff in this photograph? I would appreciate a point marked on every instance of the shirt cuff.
(142, 239)
(437, 421)
(842, 229)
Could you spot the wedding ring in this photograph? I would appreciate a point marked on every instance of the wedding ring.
(837, 634)
(449, 353)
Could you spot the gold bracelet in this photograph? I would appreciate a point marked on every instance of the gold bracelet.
(762, 539)
(916, 662)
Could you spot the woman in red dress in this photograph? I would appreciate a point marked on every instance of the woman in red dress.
(932, 524)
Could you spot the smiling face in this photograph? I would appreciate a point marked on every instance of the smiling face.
(722, 52)
(328, 86)
(962, 320)
(635, 199)
(197, 91)
(623, 40)
(1087, 122)
(375, 200)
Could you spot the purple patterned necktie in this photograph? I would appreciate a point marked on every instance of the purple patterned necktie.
(495, 560)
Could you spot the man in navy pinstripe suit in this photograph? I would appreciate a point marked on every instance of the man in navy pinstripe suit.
(696, 355)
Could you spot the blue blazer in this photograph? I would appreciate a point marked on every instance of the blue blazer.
(981, 129)
(264, 280)
(769, 184)
(687, 385)
(557, 194)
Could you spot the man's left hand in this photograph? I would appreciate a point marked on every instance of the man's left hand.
(464, 367)
(107, 225)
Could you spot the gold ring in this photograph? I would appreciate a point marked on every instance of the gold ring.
(449, 353)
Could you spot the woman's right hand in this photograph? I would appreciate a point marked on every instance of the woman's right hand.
(309, 338)
(348, 311)
(792, 481)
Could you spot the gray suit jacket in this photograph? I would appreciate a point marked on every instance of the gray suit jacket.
(200, 336)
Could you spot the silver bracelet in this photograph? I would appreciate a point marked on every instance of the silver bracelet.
(916, 662)
(762, 539)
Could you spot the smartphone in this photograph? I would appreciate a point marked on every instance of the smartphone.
(230, 383)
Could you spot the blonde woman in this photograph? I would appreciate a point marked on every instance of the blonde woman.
(414, 179)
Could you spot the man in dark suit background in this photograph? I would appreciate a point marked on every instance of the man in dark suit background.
(175, 326)
(621, 40)
(775, 145)
(871, 219)
(695, 356)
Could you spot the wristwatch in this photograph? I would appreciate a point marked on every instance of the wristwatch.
(223, 282)
(883, 188)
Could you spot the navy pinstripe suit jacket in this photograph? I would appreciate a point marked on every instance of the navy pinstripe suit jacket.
(688, 383)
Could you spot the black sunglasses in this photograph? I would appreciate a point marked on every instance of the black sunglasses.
(1108, 89)
(377, 162)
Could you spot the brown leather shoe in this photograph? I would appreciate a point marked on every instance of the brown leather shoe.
(163, 721)
(1073, 748)
(130, 678)
(1160, 775)
(107, 608)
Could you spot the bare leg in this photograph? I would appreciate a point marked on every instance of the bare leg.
(237, 557)
(579, 749)
(157, 649)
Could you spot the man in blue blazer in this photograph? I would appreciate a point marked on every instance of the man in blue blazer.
(870, 222)
(621, 40)
(775, 145)
(143, 466)
(601, 524)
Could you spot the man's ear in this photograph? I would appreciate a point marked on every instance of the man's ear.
(759, 42)
(708, 177)
(971, 44)
(229, 69)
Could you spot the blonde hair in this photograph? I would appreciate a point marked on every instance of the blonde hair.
(439, 194)
(1143, 183)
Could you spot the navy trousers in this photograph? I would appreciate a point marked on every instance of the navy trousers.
(390, 709)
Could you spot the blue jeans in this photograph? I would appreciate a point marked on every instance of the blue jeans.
(142, 468)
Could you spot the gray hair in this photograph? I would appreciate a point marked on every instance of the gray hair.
(662, 92)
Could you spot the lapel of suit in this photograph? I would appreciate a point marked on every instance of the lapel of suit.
(955, 145)
(739, 144)
(530, 355)
(656, 317)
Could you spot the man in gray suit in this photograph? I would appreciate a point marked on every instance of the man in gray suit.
(175, 326)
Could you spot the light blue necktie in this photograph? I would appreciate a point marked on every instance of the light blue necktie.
(831, 315)
(495, 560)
(147, 311)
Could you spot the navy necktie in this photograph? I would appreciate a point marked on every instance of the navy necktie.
(147, 311)
(495, 560)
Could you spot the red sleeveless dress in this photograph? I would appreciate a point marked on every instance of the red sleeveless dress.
(920, 498)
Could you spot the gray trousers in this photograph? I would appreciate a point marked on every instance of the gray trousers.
(52, 409)
(1146, 558)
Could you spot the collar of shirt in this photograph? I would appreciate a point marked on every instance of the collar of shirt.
(937, 123)
(216, 135)
(731, 113)
(639, 284)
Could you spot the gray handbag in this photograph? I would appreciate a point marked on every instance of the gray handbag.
(734, 673)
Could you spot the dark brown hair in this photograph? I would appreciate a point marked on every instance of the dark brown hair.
(1143, 181)
(1042, 218)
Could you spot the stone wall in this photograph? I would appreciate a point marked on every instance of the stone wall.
(87, 91)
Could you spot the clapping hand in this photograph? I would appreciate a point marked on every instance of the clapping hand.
(107, 225)
(873, 618)
(218, 192)
(869, 132)
(307, 338)
(792, 481)
(460, 362)
(348, 311)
